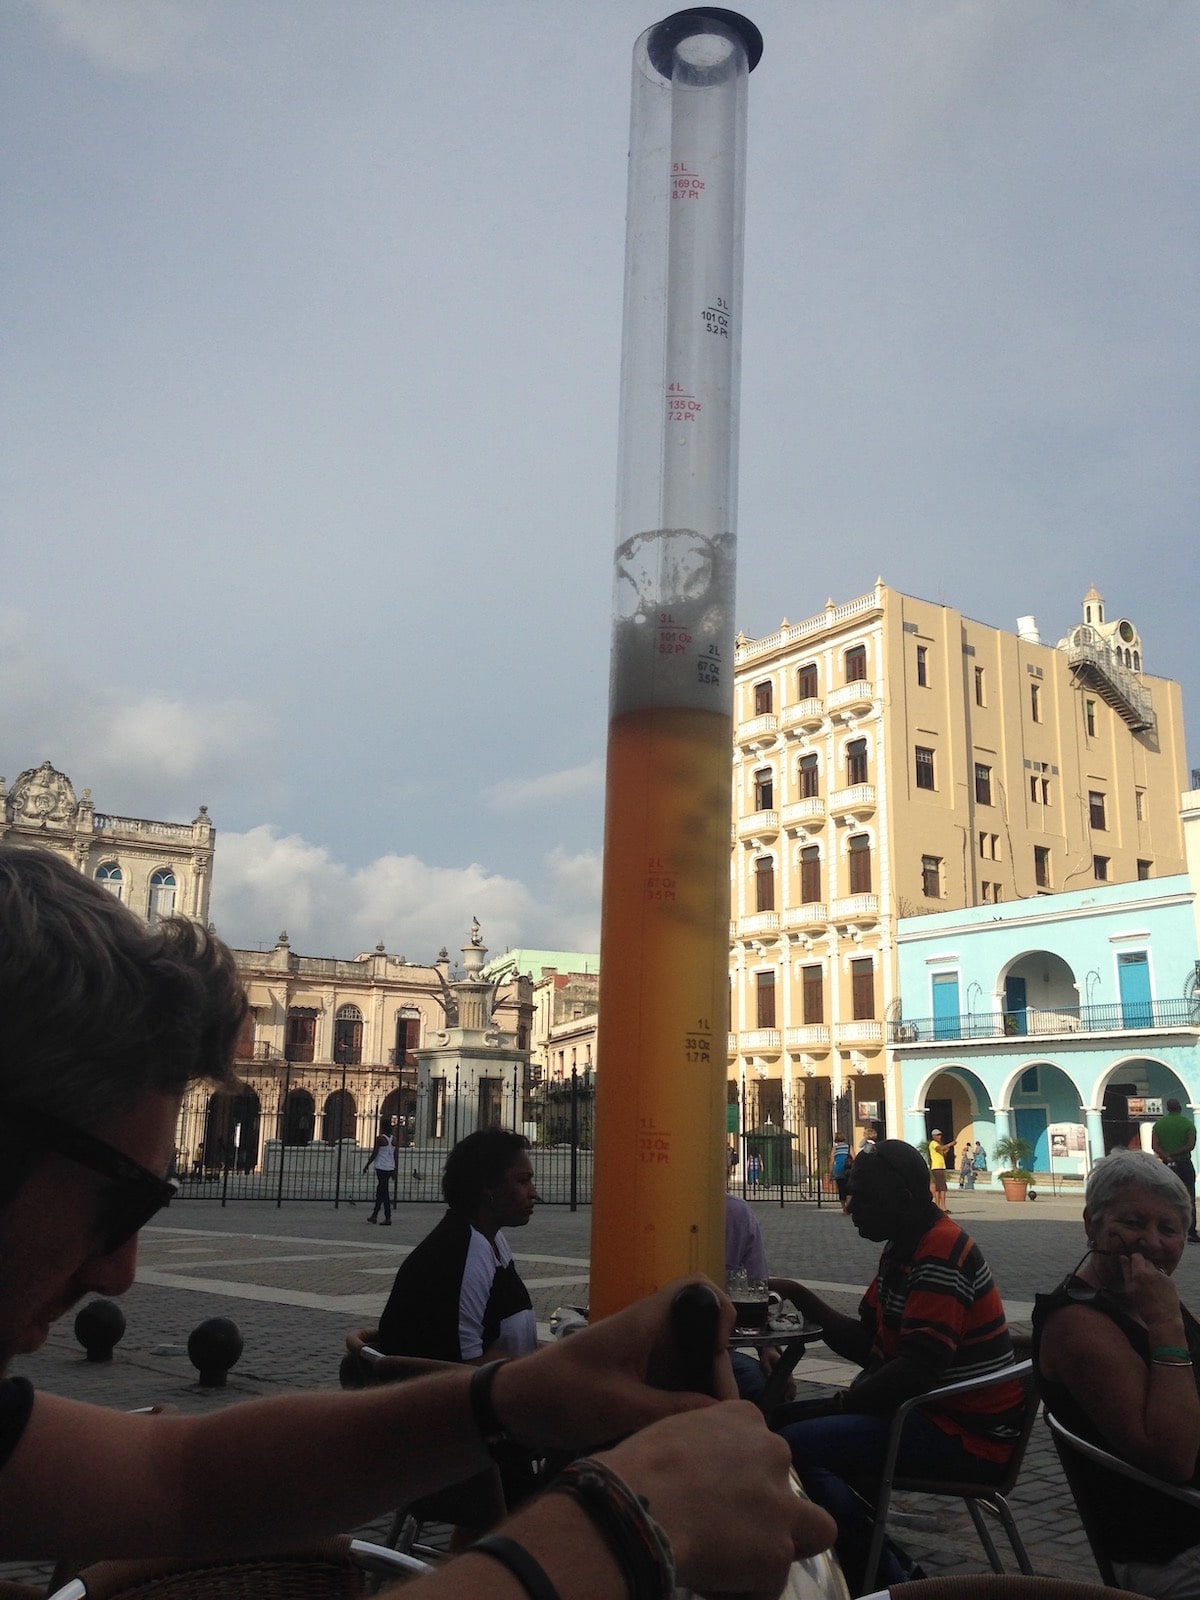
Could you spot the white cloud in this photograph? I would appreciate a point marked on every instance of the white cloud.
(546, 789)
(144, 755)
(265, 881)
(129, 36)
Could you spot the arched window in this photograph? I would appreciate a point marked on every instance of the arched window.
(299, 1117)
(764, 789)
(162, 895)
(859, 848)
(810, 875)
(408, 1035)
(109, 876)
(806, 681)
(810, 777)
(347, 1037)
(856, 762)
(764, 884)
(855, 660)
(338, 1118)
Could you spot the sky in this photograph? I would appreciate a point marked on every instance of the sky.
(309, 387)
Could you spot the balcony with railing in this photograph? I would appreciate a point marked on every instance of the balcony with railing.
(855, 908)
(758, 825)
(760, 1041)
(758, 731)
(863, 1031)
(809, 1036)
(758, 922)
(807, 815)
(812, 914)
(853, 696)
(856, 801)
(804, 714)
(1140, 1016)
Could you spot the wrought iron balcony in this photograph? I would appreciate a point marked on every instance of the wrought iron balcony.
(1138, 1016)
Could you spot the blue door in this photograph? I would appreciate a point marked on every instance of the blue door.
(946, 1024)
(1133, 975)
(1015, 1020)
(1031, 1125)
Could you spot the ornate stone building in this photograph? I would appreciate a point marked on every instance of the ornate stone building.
(332, 1047)
(158, 869)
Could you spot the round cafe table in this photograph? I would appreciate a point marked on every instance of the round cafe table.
(789, 1335)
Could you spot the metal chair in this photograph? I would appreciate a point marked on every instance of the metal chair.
(339, 1569)
(978, 1496)
(473, 1506)
(1074, 1453)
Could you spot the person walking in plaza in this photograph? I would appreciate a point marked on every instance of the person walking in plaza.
(1173, 1139)
(840, 1158)
(937, 1169)
(383, 1159)
(966, 1168)
(978, 1161)
(104, 1023)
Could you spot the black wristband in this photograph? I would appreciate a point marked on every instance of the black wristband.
(528, 1573)
(491, 1430)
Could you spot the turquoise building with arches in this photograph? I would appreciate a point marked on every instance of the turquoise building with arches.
(1028, 1018)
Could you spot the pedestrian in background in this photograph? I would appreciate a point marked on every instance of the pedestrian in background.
(1173, 1138)
(383, 1159)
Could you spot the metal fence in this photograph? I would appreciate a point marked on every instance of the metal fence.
(303, 1136)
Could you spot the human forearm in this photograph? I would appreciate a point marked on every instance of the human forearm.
(254, 1476)
(844, 1335)
(716, 1484)
(268, 1472)
(878, 1393)
(1171, 1415)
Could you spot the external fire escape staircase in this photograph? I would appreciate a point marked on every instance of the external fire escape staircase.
(1094, 664)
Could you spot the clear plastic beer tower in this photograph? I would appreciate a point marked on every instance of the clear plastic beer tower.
(659, 1186)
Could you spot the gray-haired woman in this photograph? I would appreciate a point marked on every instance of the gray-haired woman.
(1118, 1362)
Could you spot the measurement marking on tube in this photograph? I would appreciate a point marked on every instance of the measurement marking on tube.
(681, 407)
(662, 881)
(654, 1144)
(716, 318)
(708, 666)
(685, 185)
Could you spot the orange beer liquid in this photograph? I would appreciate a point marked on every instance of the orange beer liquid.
(659, 1188)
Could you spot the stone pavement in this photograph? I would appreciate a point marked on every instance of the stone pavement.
(296, 1278)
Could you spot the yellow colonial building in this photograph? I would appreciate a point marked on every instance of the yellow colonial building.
(894, 757)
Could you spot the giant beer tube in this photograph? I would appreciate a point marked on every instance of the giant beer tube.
(658, 1198)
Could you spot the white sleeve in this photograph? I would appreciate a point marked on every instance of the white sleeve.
(473, 1295)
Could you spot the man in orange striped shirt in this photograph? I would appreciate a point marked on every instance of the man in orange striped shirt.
(932, 1315)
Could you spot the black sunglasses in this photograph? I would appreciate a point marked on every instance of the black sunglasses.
(136, 1194)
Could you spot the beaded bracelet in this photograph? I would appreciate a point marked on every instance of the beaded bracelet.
(623, 1519)
(1180, 1352)
(529, 1573)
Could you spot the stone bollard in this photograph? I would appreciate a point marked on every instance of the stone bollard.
(99, 1327)
(213, 1347)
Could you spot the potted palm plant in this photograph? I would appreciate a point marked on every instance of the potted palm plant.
(1011, 1154)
